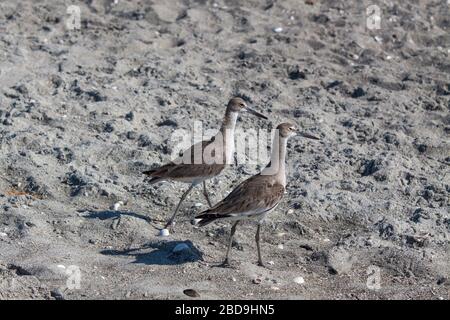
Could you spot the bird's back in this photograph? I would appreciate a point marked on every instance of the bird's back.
(253, 197)
(193, 164)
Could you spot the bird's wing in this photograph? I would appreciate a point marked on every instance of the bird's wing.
(253, 196)
(190, 164)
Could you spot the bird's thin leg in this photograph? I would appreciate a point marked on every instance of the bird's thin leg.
(226, 262)
(257, 238)
(205, 193)
(169, 223)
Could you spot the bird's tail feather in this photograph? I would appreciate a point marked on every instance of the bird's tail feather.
(206, 218)
(154, 179)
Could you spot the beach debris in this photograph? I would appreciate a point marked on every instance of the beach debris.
(57, 294)
(191, 293)
(164, 233)
(117, 205)
(299, 280)
(278, 29)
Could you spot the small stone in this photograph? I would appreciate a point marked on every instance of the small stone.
(168, 123)
(358, 92)
(295, 73)
(278, 29)
(57, 294)
(299, 280)
(117, 205)
(164, 233)
(129, 116)
(280, 246)
(191, 293)
(256, 281)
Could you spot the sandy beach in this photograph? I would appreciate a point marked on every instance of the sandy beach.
(87, 104)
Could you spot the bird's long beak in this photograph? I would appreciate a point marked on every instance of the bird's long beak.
(256, 113)
(307, 135)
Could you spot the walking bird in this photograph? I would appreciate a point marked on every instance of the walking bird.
(254, 198)
(205, 159)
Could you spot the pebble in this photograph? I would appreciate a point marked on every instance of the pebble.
(256, 281)
(278, 29)
(164, 233)
(2, 234)
(280, 246)
(117, 205)
(299, 280)
(57, 294)
(191, 293)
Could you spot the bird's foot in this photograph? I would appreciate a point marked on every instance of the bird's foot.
(263, 265)
(224, 264)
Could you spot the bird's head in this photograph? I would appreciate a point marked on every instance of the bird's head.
(239, 105)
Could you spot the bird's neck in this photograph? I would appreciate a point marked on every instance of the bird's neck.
(227, 135)
(277, 165)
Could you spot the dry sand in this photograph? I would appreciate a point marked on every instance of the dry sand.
(83, 112)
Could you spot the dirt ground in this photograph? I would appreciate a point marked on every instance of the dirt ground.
(83, 111)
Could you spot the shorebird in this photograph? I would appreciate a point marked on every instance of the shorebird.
(205, 159)
(254, 198)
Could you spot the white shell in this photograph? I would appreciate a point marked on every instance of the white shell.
(164, 233)
(278, 29)
(299, 280)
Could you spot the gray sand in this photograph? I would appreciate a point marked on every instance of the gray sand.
(83, 112)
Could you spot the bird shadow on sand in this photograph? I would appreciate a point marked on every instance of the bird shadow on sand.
(161, 253)
(112, 214)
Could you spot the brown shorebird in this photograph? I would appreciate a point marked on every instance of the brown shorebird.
(254, 198)
(205, 159)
